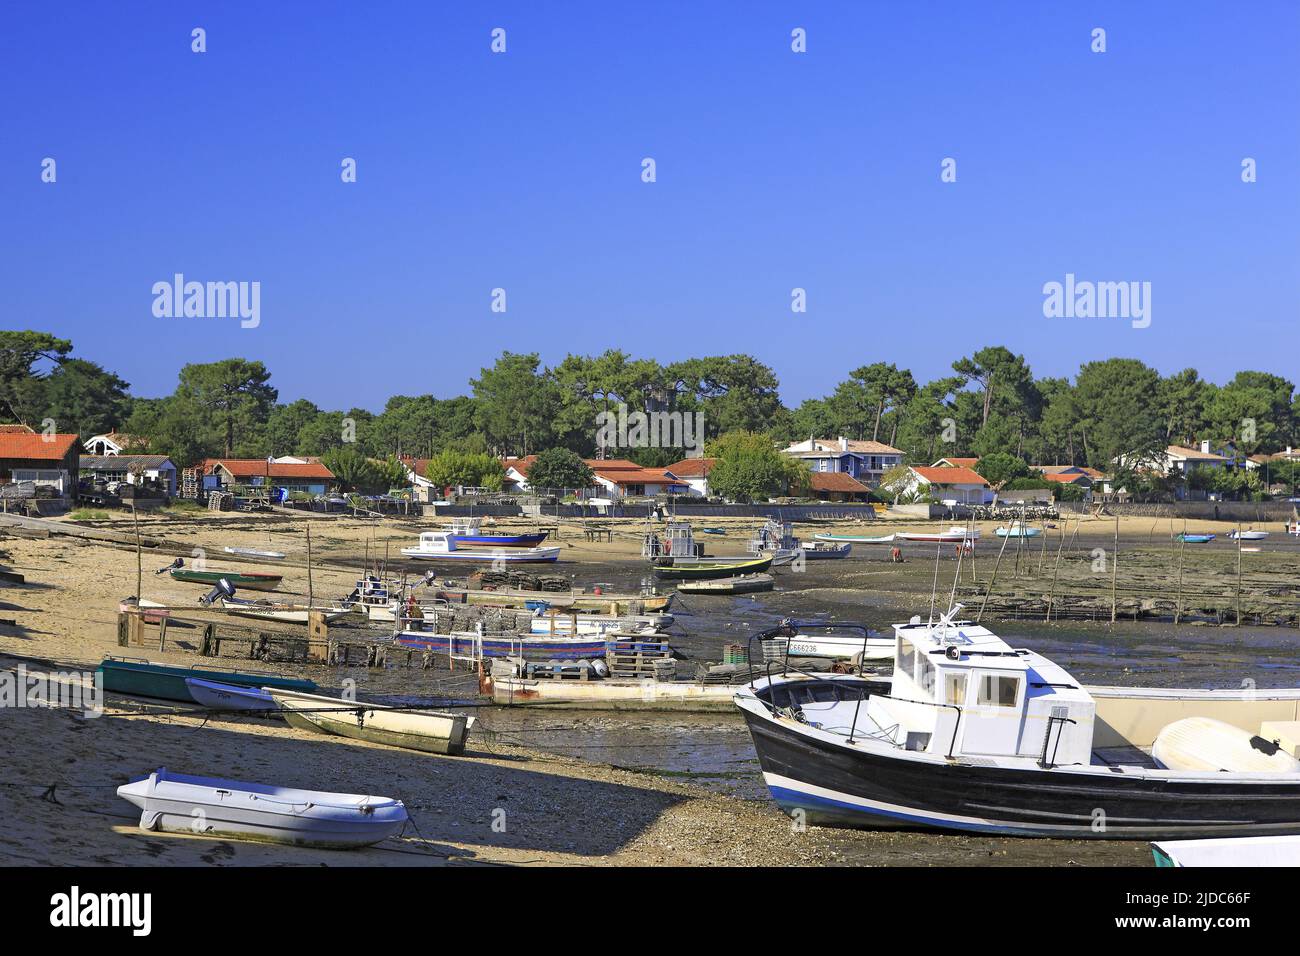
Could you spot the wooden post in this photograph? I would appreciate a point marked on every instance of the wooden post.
(1056, 573)
(309, 584)
(318, 635)
(162, 634)
(139, 559)
(1182, 548)
(1238, 573)
(1114, 571)
(992, 577)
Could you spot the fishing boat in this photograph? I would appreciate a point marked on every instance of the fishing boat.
(246, 580)
(545, 621)
(442, 546)
(1194, 538)
(974, 735)
(255, 553)
(428, 730)
(1233, 851)
(505, 683)
(680, 569)
(837, 641)
(1018, 530)
(740, 584)
(228, 696)
(775, 539)
(468, 532)
(283, 612)
(855, 538)
(826, 550)
(469, 645)
(954, 534)
(145, 679)
(210, 806)
(1247, 535)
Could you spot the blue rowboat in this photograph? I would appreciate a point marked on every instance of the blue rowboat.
(530, 648)
(219, 696)
(1194, 538)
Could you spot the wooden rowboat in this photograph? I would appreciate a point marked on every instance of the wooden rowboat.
(428, 730)
(705, 569)
(741, 584)
(144, 679)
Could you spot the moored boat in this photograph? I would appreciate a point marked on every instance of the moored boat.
(247, 580)
(468, 532)
(145, 679)
(430, 730)
(443, 546)
(472, 646)
(826, 550)
(1247, 535)
(1194, 538)
(855, 538)
(509, 688)
(954, 534)
(740, 584)
(682, 569)
(255, 553)
(283, 612)
(210, 806)
(974, 735)
(228, 696)
(1018, 530)
(1233, 851)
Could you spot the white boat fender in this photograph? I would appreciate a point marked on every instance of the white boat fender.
(600, 668)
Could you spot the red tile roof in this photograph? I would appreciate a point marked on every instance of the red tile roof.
(692, 467)
(16, 429)
(260, 468)
(36, 447)
(1067, 477)
(949, 476)
(958, 463)
(837, 481)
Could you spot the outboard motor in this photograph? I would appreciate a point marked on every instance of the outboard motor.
(174, 566)
(222, 588)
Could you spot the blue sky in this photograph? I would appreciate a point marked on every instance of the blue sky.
(775, 170)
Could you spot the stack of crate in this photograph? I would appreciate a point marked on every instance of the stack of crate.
(735, 654)
(634, 658)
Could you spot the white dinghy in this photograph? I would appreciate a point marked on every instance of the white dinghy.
(1232, 851)
(209, 806)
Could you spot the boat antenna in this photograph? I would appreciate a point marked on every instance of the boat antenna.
(961, 550)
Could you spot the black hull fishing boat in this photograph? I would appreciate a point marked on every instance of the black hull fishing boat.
(972, 735)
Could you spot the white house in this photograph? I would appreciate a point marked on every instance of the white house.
(1181, 462)
(961, 485)
(864, 460)
(694, 473)
(615, 478)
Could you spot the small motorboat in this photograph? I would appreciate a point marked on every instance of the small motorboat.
(228, 696)
(255, 553)
(1247, 535)
(1017, 530)
(838, 642)
(713, 530)
(954, 534)
(277, 611)
(428, 730)
(740, 584)
(1194, 538)
(855, 538)
(468, 645)
(826, 550)
(692, 569)
(468, 532)
(209, 806)
(1234, 851)
(444, 546)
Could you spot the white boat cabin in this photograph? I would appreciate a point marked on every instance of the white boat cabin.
(959, 690)
(435, 542)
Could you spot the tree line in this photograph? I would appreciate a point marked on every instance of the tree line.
(990, 403)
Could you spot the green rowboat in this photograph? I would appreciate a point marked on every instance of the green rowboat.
(144, 679)
(249, 581)
(706, 570)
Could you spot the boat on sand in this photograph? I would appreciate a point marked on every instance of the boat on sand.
(740, 584)
(210, 806)
(428, 730)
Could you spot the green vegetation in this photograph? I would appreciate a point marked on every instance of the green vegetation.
(454, 467)
(560, 468)
(88, 514)
(749, 468)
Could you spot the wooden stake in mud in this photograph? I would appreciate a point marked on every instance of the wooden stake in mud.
(992, 577)
(1114, 570)
(1056, 573)
(139, 559)
(310, 600)
(1238, 573)
(1182, 548)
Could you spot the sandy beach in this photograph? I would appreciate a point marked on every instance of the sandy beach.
(57, 795)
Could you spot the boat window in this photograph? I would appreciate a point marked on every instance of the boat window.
(925, 673)
(954, 689)
(999, 690)
(906, 656)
